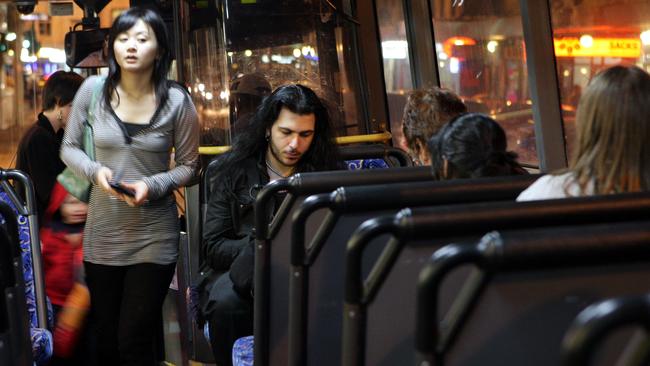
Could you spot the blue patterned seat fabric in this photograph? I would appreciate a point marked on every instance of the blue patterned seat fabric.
(366, 164)
(242, 352)
(41, 338)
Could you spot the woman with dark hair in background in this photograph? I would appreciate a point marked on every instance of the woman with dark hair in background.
(472, 146)
(38, 151)
(290, 133)
(131, 238)
(612, 154)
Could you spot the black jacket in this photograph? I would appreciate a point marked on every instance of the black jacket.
(38, 157)
(228, 240)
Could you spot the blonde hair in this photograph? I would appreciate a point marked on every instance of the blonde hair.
(613, 132)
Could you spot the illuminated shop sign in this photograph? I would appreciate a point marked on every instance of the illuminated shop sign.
(598, 47)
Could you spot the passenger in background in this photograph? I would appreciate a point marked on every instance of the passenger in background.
(246, 93)
(61, 236)
(131, 236)
(612, 152)
(426, 111)
(472, 146)
(290, 133)
(38, 151)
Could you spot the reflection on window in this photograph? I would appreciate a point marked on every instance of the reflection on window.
(270, 43)
(480, 50)
(586, 42)
(397, 70)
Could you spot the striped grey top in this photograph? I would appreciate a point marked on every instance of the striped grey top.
(117, 234)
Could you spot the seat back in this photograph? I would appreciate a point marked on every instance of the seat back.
(24, 206)
(316, 283)
(370, 337)
(374, 157)
(272, 247)
(15, 341)
(526, 288)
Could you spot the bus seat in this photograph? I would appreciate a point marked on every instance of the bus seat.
(242, 351)
(374, 156)
(536, 280)
(15, 342)
(42, 344)
(366, 164)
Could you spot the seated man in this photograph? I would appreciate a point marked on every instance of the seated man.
(426, 111)
(289, 133)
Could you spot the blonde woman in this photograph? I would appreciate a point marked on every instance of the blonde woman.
(613, 134)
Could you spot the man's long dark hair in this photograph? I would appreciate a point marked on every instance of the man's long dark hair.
(123, 23)
(322, 153)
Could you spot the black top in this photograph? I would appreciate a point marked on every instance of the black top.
(38, 157)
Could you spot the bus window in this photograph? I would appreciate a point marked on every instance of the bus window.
(587, 41)
(31, 49)
(291, 41)
(397, 69)
(480, 51)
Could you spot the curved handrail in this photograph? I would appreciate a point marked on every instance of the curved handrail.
(343, 140)
(597, 321)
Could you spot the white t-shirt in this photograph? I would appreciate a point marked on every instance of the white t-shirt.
(554, 186)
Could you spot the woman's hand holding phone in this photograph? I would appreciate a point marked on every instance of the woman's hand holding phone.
(140, 193)
(134, 194)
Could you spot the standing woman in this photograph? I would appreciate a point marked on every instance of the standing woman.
(131, 242)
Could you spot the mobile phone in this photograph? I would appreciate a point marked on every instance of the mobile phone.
(118, 187)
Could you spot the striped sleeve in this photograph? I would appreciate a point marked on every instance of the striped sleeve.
(186, 146)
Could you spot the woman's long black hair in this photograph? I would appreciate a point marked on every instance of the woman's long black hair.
(474, 146)
(322, 153)
(123, 23)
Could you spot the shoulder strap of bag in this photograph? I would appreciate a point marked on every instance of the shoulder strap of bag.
(93, 100)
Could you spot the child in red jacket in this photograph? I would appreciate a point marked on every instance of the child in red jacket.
(61, 239)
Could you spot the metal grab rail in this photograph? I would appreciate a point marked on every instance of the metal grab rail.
(343, 140)
(601, 319)
(28, 209)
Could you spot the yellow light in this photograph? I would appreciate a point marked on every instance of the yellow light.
(492, 46)
(601, 47)
(583, 70)
(10, 53)
(645, 37)
(566, 73)
(586, 41)
(248, 53)
(296, 52)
